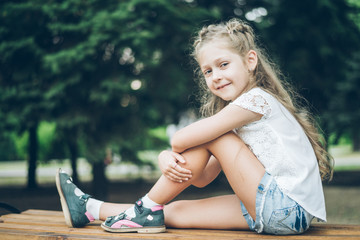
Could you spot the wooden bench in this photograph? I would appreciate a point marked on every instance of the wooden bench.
(41, 224)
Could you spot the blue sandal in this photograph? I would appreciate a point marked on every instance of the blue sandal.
(146, 220)
(73, 201)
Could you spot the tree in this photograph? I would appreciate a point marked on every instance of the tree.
(314, 42)
(347, 106)
(116, 71)
(23, 42)
(101, 71)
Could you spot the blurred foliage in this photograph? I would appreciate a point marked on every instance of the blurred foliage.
(318, 47)
(8, 148)
(113, 74)
(104, 73)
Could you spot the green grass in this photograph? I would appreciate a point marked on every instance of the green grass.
(46, 171)
(340, 153)
(347, 168)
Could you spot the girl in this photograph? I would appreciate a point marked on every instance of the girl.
(269, 150)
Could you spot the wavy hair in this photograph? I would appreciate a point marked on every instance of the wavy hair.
(241, 38)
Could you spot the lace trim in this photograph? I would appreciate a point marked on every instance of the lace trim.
(265, 145)
(255, 103)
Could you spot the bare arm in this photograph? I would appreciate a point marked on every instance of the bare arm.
(208, 129)
(198, 133)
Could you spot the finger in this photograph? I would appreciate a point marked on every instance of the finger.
(179, 157)
(172, 173)
(173, 177)
(182, 170)
(182, 176)
(176, 175)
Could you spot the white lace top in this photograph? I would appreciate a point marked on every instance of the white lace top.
(280, 144)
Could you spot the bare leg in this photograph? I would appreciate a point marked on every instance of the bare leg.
(157, 193)
(194, 213)
(241, 167)
(165, 190)
(221, 212)
(112, 209)
(243, 171)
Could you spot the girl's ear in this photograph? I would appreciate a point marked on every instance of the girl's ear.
(252, 60)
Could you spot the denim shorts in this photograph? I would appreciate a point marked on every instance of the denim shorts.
(276, 213)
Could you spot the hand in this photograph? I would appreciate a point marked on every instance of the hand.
(168, 163)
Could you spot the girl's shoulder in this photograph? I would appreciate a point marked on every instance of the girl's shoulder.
(256, 100)
(257, 91)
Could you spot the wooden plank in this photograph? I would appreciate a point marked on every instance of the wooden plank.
(32, 217)
(51, 215)
(38, 212)
(98, 232)
(21, 235)
(40, 224)
(336, 226)
(10, 235)
(171, 233)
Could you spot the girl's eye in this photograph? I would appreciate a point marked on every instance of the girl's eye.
(224, 64)
(207, 72)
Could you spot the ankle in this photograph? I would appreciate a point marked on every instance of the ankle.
(148, 202)
(93, 207)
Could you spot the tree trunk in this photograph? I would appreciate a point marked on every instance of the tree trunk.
(356, 139)
(75, 175)
(32, 150)
(100, 182)
(74, 153)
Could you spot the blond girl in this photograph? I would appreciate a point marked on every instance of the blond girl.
(268, 148)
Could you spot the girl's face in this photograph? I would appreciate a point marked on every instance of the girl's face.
(226, 72)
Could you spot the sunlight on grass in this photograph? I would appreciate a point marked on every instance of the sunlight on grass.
(15, 172)
(342, 150)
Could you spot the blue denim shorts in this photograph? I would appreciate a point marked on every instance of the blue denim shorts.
(276, 213)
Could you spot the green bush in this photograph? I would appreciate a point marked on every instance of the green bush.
(46, 135)
(8, 149)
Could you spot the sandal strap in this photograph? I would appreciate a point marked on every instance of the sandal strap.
(84, 198)
(139, 206)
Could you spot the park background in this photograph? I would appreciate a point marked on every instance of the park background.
(98, 87)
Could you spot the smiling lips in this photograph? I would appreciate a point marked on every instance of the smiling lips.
(222, 86)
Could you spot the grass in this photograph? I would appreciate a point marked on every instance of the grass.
(14, 173)
(345, 159)
(339, 211)
(347, 168)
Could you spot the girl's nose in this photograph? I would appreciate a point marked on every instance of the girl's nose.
(216, 75)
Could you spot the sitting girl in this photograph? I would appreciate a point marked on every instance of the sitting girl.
(269, 150)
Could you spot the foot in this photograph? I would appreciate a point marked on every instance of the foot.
(146, 220)
(73, 201)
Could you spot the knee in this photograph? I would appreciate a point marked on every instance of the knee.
(199, 183)
(196, 160)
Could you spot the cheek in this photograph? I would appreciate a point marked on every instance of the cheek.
(208, 83)
(245, 79)
(249, 79)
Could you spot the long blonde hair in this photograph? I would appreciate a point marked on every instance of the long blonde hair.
(266, 76)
